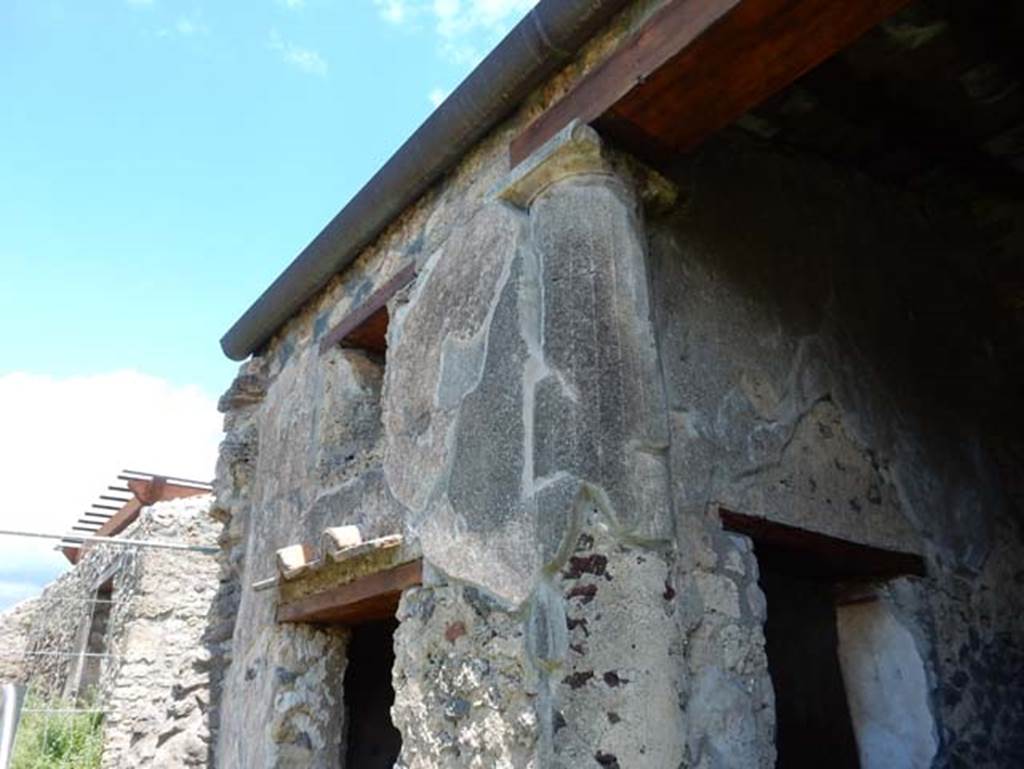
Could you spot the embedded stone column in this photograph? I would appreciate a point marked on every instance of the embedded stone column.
(523, 379)
(595, 406)
(527, 438)
(602, 630)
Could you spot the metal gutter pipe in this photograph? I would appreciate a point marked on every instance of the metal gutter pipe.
(540, 44)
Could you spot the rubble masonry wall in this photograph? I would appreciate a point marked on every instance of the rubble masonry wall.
(822, 342)
(155, 686)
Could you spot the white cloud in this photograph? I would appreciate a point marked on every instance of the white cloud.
(304, 59)
(189, 26)
(394, 11)
(466, 29)
(64, 440)
(436, 96)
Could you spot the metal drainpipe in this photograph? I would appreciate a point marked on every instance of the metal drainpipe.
(540, 44)
(12, 697)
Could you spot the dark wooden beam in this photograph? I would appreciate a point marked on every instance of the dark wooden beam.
(122, 518)
(159, 489)
(697, 65)
(366, 326)
(670, 30)
(364, 599)
(791, 550)
(147, 492)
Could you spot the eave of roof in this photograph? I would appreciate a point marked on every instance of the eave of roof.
(547, 38)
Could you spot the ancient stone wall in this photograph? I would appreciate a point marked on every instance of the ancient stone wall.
(315, 441)
(518, 440)
(160, 685)
(15, 629)
(582, 373)
(150, 668)
(62, 621)
(824, 364)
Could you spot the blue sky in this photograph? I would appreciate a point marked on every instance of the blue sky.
(160, 163)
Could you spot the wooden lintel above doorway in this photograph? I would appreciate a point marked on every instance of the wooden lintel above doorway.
(789, 549)
(365, 599)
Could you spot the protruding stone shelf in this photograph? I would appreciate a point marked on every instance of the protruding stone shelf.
(365, 599)
(350, 583)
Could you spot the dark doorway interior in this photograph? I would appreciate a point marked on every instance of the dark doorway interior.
(372, 740)
(813, 724)
(800, 572)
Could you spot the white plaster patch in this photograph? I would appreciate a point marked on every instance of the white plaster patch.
(887, 689)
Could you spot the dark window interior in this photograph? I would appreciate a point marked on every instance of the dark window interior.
(371, 335)
(366, 327)
(813, 724)
(372, 740)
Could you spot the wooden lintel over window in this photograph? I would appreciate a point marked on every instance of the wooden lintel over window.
(367, 598)
(697, 65)
(789, 549)
(366, 326)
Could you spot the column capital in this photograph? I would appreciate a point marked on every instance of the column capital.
(573, 151)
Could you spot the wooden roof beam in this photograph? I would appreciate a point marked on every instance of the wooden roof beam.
(145, 492)
(697, 65)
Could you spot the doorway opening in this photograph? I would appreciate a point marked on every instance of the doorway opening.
(806, 577)
(811, 707)
(372, 741)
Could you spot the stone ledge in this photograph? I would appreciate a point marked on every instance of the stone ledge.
(349, 581)
(366, 598)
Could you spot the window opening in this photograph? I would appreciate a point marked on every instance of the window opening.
(372, 741)
(366, 327)
(97, 641)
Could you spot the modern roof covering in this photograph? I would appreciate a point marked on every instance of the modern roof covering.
(690, 69)
(117, 510)
(546, 39)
